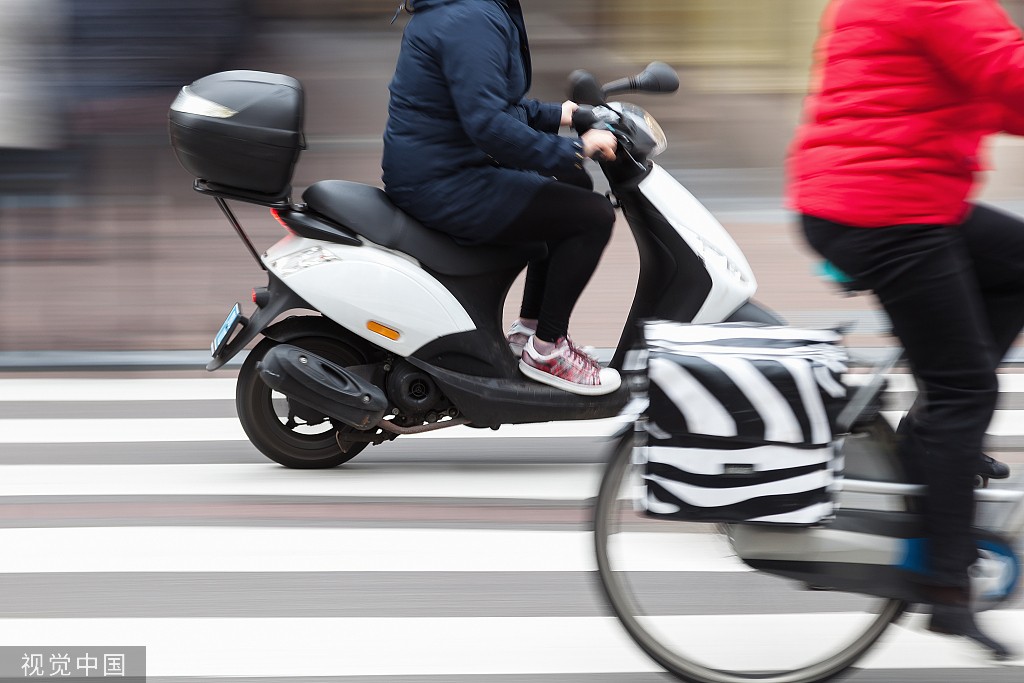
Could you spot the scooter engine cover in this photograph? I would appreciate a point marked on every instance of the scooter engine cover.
(322, 385)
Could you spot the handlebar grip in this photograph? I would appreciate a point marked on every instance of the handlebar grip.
(583, 119)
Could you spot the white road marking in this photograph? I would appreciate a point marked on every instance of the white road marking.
(276, 549)
(480, 646)
(223, 388)
(563, 482)
(84, 389)
(178, 429)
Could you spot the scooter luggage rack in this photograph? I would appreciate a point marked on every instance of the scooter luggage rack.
(281, 201)
(221, 196)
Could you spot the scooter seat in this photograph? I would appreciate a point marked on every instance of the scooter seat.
(367, 211)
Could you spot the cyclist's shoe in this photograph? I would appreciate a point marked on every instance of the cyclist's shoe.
(518, 334)
(957, 620)
(568, 367)
(990, 468)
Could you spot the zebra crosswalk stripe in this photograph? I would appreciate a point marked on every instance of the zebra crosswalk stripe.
(144, 566)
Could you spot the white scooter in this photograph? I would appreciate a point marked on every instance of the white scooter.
(404, 331)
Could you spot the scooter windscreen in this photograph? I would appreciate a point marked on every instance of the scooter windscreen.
(647, 136)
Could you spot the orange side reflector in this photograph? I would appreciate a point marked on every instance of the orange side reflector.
(383, 330)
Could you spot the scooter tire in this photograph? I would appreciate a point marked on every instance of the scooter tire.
(262, 421)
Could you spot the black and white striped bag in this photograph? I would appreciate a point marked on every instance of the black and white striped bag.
(740, 424)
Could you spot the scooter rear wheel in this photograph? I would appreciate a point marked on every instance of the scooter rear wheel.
(696, 609)
(266, 416)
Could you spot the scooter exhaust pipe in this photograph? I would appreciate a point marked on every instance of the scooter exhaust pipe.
(323, 386)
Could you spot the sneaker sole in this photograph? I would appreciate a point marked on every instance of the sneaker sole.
(559, 383)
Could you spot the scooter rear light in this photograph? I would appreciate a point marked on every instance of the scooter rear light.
(277, 217)
(307, 258)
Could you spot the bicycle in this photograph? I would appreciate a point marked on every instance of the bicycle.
(854, 568)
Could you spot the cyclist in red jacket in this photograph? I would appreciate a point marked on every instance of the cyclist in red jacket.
(881, 170)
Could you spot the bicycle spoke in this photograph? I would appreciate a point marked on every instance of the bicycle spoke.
(697, 609)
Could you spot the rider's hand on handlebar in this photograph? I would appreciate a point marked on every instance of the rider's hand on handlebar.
(568, 109)
(599, 144)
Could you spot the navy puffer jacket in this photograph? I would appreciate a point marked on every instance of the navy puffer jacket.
(464, 150)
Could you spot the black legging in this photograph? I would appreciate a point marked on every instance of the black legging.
(955, 296)
(576, 224)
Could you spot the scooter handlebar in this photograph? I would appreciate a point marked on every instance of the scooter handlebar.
(584, 118)
(601, 118)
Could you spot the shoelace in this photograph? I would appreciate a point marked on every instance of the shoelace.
(579, 353)
(583, 364)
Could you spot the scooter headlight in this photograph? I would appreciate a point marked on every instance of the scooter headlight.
(650, 138)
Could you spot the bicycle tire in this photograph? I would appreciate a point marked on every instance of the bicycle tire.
(617, 591)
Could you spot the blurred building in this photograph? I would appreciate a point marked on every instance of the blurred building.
(31, 36)
(125, 256)
(730, 46)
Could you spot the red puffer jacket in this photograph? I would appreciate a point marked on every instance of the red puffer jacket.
(905, 92)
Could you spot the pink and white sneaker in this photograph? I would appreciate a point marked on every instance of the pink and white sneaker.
(517, 336)
(569, 368)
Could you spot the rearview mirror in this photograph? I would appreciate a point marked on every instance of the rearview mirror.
(657, 77)
(583, 88)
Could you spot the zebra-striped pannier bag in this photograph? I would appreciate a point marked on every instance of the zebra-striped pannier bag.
(740, 424)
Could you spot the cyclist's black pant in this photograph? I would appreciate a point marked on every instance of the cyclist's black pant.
(576, 224)
(955, 296)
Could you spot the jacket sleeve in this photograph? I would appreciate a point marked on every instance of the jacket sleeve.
(1013, 122)
(474, 66)
(976, 43)
(543, 116)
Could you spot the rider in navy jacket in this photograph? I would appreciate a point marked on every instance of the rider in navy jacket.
(467, 154)
(464, 149)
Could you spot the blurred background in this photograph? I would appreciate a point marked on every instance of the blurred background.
(104, 246)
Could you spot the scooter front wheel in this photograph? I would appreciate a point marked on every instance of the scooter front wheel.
(696, 609)
(272, 424)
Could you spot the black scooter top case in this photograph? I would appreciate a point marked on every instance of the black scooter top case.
(240, 130)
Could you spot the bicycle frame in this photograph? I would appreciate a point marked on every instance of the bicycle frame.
(875, 550)
(868, 551)
(1011, 524)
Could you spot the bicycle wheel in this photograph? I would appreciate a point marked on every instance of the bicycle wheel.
(701, 613)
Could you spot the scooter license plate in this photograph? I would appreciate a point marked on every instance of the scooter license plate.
(224, 332)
